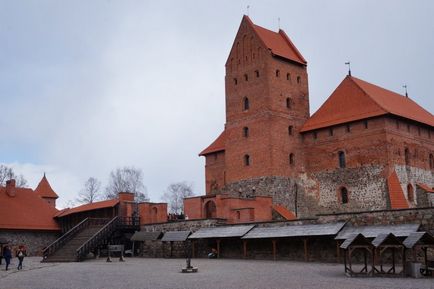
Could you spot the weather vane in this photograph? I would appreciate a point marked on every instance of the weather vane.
(406, 92)
(349, 67)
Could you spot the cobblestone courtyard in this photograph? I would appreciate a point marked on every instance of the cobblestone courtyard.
(164, 273)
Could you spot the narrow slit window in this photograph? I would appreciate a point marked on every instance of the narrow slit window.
(291, 159)
(246, 77)
(277, 72)
(288, 102)
(246, 160)
(257, 73)
(344, 195)
(342, 161)
(290, 130)
(246, 104)
(245, 131)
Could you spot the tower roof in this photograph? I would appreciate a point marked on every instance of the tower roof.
(355, 99)
(278, 43)
(44, 189)
(217, 146)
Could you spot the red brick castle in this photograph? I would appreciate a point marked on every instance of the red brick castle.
(366, 148)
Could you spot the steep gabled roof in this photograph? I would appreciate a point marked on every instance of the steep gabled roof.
(396, 195)
(355, 99)
(88, 207)
(26, 211)
(217, 146)
(44, 189)
(277, 42)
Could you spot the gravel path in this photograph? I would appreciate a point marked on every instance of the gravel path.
(213, 274)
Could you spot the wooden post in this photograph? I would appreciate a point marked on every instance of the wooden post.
(193, 249)
(338, 252)
(274, 249)
(171, 249)
(306, 257)
(218, 248)
(245, 248)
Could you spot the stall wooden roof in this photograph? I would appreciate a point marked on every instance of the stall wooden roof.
(418, 238)
(356, 239)
(176, 236)
(222, 232)
(402, 230)
(295, 231)
(146, 236)
(385, 239)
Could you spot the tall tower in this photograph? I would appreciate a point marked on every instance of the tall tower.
(267, 102)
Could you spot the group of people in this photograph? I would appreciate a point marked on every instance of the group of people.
(20, 254)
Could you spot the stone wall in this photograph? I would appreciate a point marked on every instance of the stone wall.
(34, 241)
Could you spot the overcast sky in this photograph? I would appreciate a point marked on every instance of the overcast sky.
(88, 86)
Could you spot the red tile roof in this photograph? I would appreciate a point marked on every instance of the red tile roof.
(26, 211)
(426, 188)
(284, 212)
(217, 146)
(277, 42)
(44, 189)
(396, 195)
(355, 99)
(88, 207)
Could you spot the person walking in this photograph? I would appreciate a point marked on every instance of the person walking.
(21, 253)
(7, 254)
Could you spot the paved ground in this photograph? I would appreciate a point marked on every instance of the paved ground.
(164, 273)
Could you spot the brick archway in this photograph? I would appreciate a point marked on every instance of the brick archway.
(210, 210)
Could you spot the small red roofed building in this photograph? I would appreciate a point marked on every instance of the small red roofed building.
(366, 148)
(27, 218)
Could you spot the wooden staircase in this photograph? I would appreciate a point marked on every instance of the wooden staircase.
(75, 244)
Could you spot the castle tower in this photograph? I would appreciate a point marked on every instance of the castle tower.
(45, 191)
(267, 102)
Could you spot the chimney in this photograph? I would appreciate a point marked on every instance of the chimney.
(10, 188)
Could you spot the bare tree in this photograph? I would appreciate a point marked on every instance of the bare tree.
(91, 191)
(129, 180)
(175, 194)
(7, 173)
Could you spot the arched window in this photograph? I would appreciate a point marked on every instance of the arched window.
(288, 102)
(246, 160)
(290, 130)
(291, 159)
(410, 193)
(344, 195)
(342, 162)
(246, 104)
(210, 210)
(245, 131)
(407, 156)
(288, 76)
(431, 161)
(277, 72)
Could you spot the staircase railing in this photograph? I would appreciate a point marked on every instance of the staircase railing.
(50, 249)
(97, 238)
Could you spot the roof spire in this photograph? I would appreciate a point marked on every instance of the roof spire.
(349, 67)
(406, 92)
(248, 6)
(278, 22)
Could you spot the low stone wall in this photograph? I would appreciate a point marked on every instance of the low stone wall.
(34, 241)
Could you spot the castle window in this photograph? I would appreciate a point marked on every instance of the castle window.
(235, 81)
(344, 195)
(245, 131)
(407, 156)
(291, 159)
(348, 128)
(330, 132)
(397, 124)
(288, 76)
(246, 104)
(290, 130)
(246, 160)
(238, 215)
(431, 161)
(315, 135)
(418, 131)
(342, 162)
(410, 193)
(257, 73)
(277, 72)
(408, 127)
(288, 102)
(365, 124)
(246, 77)
(298, 79)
